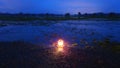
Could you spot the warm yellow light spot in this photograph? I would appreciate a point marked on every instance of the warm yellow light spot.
(60, 49)
(60, 43)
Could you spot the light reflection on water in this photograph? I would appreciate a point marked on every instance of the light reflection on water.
(61, 53)
(67, 56)
(60, 49)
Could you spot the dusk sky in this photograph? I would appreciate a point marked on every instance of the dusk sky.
(59, 6)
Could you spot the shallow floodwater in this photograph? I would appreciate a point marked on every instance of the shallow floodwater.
(71, 31)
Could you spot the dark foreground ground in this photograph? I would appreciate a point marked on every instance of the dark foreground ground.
(24, 55)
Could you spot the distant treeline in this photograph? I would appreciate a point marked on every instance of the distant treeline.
(67, 16)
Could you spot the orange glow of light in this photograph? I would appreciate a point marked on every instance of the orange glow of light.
(60, 49)
(60, 43)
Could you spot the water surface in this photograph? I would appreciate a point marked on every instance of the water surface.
(70, 31)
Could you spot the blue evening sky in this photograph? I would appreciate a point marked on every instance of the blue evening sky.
(59, 6)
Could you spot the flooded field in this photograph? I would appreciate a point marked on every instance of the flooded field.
(79, 32)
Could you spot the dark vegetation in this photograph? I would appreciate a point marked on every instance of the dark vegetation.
(67, 16)
(25, 55)
(108, 45)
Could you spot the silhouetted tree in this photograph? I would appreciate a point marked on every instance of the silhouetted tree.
(101, 15)
(112, 15)
(86, 15)
(67, 15)
(79, 15)
(47, 15)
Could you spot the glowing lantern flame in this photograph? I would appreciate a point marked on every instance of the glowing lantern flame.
(60, 43)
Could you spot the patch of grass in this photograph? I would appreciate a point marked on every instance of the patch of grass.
(108, 45)
(116, 49)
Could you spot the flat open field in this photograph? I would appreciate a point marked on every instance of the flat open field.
(92, 44)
